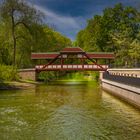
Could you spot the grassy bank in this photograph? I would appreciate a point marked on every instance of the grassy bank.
(9, 79)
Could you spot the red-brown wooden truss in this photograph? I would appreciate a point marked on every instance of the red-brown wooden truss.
(72, 54)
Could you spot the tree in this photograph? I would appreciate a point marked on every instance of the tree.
(18, 14)
(134, 51)
(115, 30)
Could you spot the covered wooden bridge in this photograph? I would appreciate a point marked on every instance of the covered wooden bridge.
(67, 58)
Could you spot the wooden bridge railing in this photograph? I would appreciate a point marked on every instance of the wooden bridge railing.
(71, 67)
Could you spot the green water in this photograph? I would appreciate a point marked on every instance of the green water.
(66, 112)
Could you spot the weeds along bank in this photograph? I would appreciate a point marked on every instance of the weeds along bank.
(8, 73)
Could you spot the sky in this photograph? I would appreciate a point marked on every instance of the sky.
(70, 16)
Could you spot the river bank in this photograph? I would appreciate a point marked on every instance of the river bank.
(70, 79)
(12, 85)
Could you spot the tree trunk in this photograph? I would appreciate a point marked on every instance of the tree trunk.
(14, 38)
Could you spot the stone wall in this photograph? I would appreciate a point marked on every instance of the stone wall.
(27, 74)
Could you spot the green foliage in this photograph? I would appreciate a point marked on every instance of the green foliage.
(28, 35)
(48, 76)
(18, 16)
(75, 76)
(7, 73)
(117, 30)
(96, 75)
(23, 32)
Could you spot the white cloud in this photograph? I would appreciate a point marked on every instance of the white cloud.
(65, 24)
(59, 19)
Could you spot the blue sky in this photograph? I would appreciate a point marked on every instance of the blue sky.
(70, 16)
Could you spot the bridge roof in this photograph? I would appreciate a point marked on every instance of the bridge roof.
(101, 55)
(91, 55)
(72, 50)
(44, 55)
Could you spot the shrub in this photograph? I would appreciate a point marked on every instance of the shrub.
(7, 73)
(46, 76)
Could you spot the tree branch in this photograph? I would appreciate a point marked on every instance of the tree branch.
(22, 23)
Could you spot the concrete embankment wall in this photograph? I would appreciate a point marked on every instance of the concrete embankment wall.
(126, 88)
(27, 74)
(125, 92)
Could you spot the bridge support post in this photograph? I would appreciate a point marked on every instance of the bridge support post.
(101, 75)
(82, 61)
(61, 62)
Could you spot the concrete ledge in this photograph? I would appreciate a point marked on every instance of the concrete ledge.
(123, 86)
(125, 92)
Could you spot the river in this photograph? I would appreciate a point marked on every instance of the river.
(66, 112)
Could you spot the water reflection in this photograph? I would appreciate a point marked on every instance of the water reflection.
(66, 112)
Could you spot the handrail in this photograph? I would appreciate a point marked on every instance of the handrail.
(71, 66)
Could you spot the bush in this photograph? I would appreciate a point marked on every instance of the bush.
(95, 75)
(7, 73)
(46, 76)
